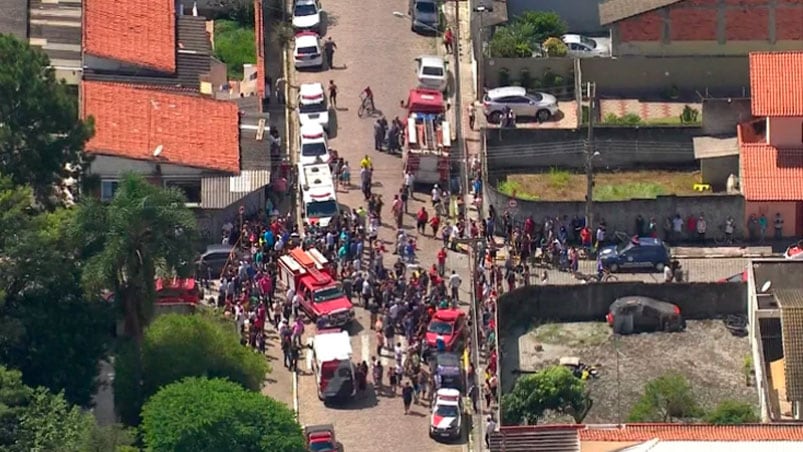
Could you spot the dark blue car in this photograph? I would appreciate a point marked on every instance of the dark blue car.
(642, 253)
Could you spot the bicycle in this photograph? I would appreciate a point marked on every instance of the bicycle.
(366, 106)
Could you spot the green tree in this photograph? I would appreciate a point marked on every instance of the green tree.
(178, 346)
(732, 412)
(41, 137)
(552, 389)
(665, 399)
(199, 415)
(525, 33)
(541, 25)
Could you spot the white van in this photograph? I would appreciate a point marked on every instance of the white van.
(318, 193)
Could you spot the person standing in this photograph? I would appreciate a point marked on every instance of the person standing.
(281, 83)
(702, 226)
(333, 94)
(379, 135)
(448, 40)
(762, 227)
(778, 226)
(472, 115)
(454, 285)
(329, 49)
(490, 427)
(407, 397)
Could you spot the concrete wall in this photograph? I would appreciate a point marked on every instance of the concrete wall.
(715, 171)
(785, 132)
(621, 215)
(522, 150)
(106, 166)
(792, 224)
(581, 16)
(590, 302)
(720, 116)
(637, 76)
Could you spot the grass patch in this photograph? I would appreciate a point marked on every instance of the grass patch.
(559, 179)
(234, 45)
(579, 334)
(630, 190)
(515, 189)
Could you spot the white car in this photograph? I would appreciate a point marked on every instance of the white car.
(581, 46)
(446, 420)
(431, 72)
(312, 105)
(307, 51)
(307, 15)
(541, 106)
(313, 146)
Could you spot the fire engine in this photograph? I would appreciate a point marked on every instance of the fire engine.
(310, 275)
(428, 137)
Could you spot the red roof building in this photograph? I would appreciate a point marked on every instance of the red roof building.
(776, 83)
(132, 121)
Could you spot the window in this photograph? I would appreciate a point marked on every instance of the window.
(191, 189)
(107, 189)
(425, 7)
(305, 10)
(432, 71)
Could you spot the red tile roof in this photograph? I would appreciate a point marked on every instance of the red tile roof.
(693, 432)
(140, 32)
(131, 121)
(771, 174)
(775, 83)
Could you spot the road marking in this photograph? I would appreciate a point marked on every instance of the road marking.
(295, 394)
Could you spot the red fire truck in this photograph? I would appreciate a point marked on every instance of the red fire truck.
(426, 154)
(310, 274)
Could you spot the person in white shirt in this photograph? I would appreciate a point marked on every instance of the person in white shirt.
(436, 195)
(668, 274)
(701, 228)
(490, 427)
(409, 180)
(454, 285)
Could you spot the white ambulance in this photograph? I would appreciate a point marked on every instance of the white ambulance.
(318, 193)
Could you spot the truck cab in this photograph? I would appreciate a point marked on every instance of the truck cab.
(332, 365)
(318, 194)
(310, 274)
(429, 137)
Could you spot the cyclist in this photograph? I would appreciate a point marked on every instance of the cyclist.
(368, 97)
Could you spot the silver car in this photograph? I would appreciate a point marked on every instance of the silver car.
(424, 16)
(540, 106)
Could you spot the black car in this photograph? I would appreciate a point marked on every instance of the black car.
(629, 315)
(212, 261)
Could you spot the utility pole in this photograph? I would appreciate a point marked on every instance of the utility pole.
(590, 154)
(458, 104)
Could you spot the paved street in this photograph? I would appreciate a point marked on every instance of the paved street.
(376, 49)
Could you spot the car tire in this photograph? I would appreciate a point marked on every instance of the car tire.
(542, 115)
(495, 117)
(614, 268)
(659, 266)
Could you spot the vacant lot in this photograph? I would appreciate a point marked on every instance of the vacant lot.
(706, 353)
(560, 185)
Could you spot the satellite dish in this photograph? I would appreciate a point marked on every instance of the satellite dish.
(766, 286)
(158, 150)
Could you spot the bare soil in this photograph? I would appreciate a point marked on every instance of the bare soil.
(706, 354)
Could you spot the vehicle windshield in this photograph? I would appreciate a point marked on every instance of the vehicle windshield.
(321, 446)
(305, 10)
(625, 246)
(440, 328)
(320, 209)
(446, 411)
(425, 7)
(589, 42)
(313, 149)
(328, 294)
(307, 50)
(316, 107)
(432, 71)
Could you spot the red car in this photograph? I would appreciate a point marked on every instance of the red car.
(448, 325)
(320, 438)
(178, 291)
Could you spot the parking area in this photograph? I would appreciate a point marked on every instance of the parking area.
(712, 360)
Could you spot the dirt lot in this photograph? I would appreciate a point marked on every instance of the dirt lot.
(706, 353)
(559, 185)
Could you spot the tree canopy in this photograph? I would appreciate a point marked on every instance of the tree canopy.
(525, 34)
(199, 415)
(178, 346)
(41, 137)
(666, 398)
(552, 389)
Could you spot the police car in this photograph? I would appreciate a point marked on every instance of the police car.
(313, 146)
(307, 51)
(446, 420)
(307, 15)
(312, 106)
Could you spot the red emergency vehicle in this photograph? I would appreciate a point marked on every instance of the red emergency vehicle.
(311, 276)
(429, 139)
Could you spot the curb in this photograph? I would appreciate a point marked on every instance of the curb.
(295, 395)
(724, 256)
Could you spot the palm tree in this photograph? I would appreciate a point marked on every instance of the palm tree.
(145, 228)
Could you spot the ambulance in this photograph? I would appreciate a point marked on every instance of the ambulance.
(333, 367)
(318, 194)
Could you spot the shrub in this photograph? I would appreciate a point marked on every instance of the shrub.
(554, 47)
(504, 76)
(689, 115)
(235, 46)
(732, 412)
(525, 33)
(526, 78)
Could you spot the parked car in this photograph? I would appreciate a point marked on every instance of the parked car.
(449, 326)
(629, 315)
(307, 51)
(313, 146)
(446, 420)
(640, 253)
(431, 72)
(313, 107)
(541, 106)
(307, 15)
(424, 16)
(212, 261)
(582, 46)
(794, 251)
(320, 438)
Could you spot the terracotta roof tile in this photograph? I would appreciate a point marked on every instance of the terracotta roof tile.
(693, 432)
(775, 83)
(771, 174)
(131, 121)
(140, 32)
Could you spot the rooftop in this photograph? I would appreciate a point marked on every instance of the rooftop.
(615, 10)
(139, 32)
(131, 121)
(692, 432)
(771, 174)
(775, 83)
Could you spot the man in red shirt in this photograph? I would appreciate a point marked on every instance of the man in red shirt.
(442, 261)
(435, 222)
(421, 220)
